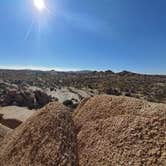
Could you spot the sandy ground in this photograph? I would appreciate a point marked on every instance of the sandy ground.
(15, 112)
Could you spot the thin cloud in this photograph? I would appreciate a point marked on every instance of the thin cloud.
(17, 67)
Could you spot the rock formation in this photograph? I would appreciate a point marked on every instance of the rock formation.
(120, 131)
(24, 96)
(47, 138)
(105, 131)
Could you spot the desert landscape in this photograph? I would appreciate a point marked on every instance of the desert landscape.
(82, 83)
(70, 122)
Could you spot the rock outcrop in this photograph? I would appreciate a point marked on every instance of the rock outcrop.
(47, 138)
(24, 96)
(120, 131)
(105, 130)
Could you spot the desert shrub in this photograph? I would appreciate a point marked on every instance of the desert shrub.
(70, 104)
(160, 93)
(112, 91)
(128, 94)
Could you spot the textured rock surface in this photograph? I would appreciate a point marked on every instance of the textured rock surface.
(47, 138)
(120, 131)
(3, 131)
(24, 96)
(107, 131)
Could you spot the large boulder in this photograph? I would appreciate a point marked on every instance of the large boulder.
(24, 96)
(120, 131)
(46, 138)
(41, 98)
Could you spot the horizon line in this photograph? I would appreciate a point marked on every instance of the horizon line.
(61, 69)
(40, 68)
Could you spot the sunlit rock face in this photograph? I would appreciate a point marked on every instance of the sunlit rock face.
(120, 131)
(47, 138)
(24, 96)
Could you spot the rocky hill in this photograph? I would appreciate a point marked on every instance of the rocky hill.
(104, 130)
(147, 87)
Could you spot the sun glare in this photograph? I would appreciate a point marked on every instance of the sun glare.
(39, 4)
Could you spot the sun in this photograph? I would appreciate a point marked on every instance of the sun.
(39, 4)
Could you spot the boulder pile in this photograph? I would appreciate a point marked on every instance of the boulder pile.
(24, 96)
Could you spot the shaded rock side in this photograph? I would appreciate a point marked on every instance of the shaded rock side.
(10, 123)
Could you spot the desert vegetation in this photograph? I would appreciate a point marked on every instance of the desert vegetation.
(147, 87)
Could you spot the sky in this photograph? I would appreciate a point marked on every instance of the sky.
(84, 35)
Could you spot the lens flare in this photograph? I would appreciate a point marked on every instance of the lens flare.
(39, 4)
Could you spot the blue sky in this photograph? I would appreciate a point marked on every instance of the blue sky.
(84, 34)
